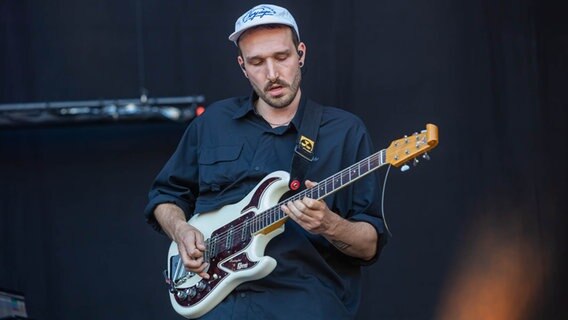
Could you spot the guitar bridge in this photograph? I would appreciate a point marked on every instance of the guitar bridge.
(178, 274)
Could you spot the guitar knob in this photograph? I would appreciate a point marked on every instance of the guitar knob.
(191, 292)
(415, 162)
(405, 168)
(201, 285)
(182, 294)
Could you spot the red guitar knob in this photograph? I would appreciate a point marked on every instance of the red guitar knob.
(295, 185)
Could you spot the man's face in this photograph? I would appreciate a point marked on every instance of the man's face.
(272, 64)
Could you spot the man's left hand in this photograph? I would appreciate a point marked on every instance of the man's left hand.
(312, 215)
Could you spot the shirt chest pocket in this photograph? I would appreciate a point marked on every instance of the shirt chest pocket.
(220, 166)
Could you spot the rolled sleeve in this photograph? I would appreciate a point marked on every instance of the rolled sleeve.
(159, 199)
(177, 181)
(382, 235)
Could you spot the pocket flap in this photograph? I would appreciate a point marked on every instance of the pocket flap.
(219, 154)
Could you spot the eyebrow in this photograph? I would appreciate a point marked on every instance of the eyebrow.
(286, 51)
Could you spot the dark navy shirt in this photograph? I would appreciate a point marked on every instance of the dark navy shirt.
(223, 155)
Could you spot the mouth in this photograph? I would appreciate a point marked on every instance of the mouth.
(276, 90)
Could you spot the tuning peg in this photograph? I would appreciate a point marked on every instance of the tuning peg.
(415, 162)
(426, 156)
(405, 168)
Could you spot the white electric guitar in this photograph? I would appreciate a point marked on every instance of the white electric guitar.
(237, 234)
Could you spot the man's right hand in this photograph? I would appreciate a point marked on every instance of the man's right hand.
(191, 247)
(189, 240)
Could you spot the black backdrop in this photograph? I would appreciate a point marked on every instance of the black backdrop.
(479, 231)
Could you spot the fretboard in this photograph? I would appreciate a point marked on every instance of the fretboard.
(323, 189)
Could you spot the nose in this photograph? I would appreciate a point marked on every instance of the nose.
(271, 72)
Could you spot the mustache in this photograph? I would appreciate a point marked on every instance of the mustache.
(277, 83)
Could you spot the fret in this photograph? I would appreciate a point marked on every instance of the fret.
(373, 162)
(363, 168)
(345, 178)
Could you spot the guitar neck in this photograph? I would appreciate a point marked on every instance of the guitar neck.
(323, 189)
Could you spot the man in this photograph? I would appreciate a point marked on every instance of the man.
(231, 147)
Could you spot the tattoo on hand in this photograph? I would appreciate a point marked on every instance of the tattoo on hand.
(340, 244)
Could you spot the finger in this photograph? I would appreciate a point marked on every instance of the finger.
(183, 253)
(194, 244)
(303, 217)
(188, 241)
(296, 208)
(310, 184)
(294, 215)
(311, 204)
(196, 265)
(199, 242)
(202, 273)
(288, 212)
(202, 269)
(196, 254)
(300, 205)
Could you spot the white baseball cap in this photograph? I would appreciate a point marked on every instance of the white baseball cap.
(263, 14)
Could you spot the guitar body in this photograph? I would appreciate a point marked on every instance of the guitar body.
(238, 256)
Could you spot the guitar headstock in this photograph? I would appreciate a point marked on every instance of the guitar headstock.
(402, 150)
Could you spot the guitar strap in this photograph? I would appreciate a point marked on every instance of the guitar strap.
(305, 145)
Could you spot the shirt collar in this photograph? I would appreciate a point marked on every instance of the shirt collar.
(248, 107)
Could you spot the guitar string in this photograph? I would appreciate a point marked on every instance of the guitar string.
(257, 219)
(222, 237)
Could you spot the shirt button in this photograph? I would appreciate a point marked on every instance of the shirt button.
(256, 168)
(243, 294)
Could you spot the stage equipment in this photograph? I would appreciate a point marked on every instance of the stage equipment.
(12, 305)
(179, 109)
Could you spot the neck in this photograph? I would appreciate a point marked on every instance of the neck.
(278, 116)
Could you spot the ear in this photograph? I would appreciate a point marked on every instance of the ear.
(302, 56)
(241, 63)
